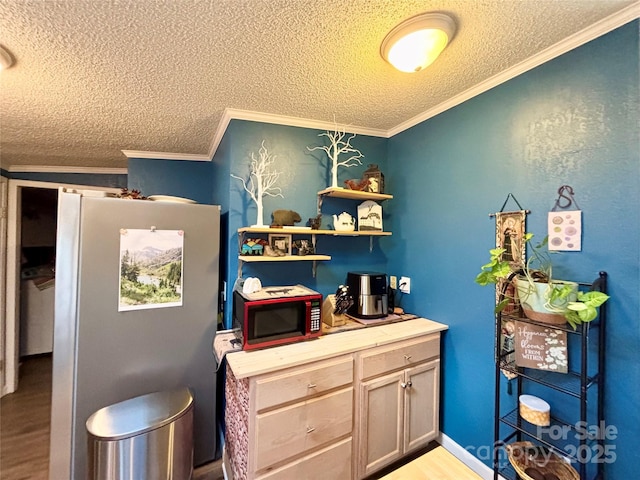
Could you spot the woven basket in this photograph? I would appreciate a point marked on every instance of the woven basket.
(528, 459)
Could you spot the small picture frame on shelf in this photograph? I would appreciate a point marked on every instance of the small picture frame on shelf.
(369, 216)
(280, 242)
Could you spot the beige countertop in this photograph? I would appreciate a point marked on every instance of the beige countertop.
(257, 362)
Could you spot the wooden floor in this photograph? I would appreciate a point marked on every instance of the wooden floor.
(436, 464)
(24, 423)
(24, 437)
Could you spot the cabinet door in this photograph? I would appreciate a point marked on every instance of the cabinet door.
(421, 405)
(381, 423)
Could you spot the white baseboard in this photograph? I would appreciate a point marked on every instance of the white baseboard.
(466, 457)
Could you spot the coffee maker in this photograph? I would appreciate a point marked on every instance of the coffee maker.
(369, 292)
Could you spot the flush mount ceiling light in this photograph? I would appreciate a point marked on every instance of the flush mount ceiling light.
(416, 43)
(6, 60)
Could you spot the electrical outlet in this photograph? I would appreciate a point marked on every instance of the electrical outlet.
(393, 282)
(405, 284)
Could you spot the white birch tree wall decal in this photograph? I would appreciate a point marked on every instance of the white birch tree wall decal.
(261, 181)
(340, 144)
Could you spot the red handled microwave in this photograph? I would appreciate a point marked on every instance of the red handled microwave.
(276, 316)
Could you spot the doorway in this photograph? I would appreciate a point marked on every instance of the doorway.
(10, 328)
(39, 213)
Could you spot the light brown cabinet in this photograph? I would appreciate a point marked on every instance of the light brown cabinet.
(397, 402)
(294, 418)
(337, 407)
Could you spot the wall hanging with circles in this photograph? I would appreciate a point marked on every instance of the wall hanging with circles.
(565, 222)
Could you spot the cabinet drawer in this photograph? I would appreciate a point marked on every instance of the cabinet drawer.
(330, 463)
(298, 428)
(398, 355)
(297, 383)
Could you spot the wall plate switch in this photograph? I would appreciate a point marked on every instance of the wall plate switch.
(405, 284)
(393, 282)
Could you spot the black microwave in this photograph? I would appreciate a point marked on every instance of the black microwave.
(276, 316)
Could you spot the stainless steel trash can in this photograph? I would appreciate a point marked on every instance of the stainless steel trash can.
(144, 438)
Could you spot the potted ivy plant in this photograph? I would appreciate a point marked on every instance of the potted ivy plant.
(542, 297)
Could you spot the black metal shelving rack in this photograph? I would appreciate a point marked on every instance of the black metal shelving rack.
(578, 383)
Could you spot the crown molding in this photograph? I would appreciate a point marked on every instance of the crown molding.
(220, 131)
(592, 32)
(53, 169)
(192, 157)
(237, 114)
(15, 183)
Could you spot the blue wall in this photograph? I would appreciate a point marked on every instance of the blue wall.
(171, 177)
(303, 174)
(221, 187)
(572, 121)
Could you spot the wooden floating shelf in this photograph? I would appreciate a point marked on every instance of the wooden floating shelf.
(335, 192)
(356, 233)
(353, 194)
(286, 258)
(297, 231)
(302, 231)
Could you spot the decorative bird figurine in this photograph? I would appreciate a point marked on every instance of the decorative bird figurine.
(357, 185)
(344, 300)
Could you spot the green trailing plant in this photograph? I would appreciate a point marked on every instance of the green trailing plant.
(584, 309)
(538, 268)
(493, 272)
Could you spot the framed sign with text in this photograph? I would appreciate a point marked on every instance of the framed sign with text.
(541, 347)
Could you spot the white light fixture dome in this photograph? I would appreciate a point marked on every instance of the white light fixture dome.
(416, 43)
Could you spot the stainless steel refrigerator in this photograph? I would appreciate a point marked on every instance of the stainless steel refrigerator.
(105, 353)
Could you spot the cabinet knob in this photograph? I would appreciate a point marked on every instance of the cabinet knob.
(407, 357)
(406, 384)
(311, 385)
(310, 429)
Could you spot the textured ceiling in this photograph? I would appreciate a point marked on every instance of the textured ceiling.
(95, 77)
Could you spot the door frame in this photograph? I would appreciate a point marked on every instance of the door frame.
(11, 330)
(4, 187)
